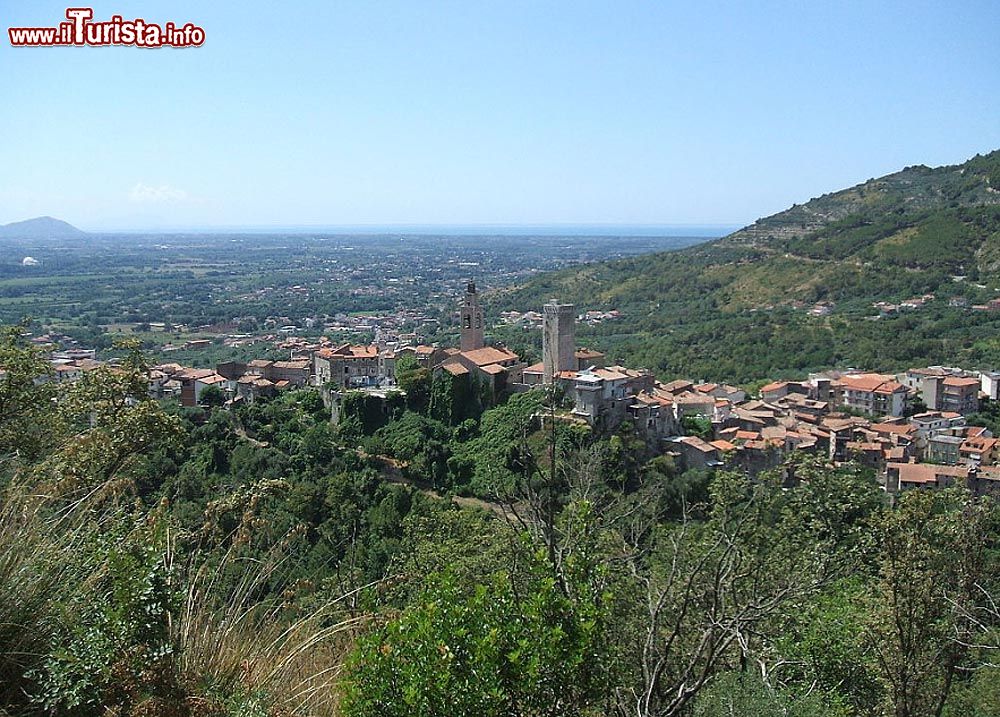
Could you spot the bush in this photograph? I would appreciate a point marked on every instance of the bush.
(492, 652)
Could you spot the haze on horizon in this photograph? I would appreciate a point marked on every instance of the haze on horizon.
(449, 113)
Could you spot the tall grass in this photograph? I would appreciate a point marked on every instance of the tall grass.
(233, 643)
(234, 652)
(38, 574)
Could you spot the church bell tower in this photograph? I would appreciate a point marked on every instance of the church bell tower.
(472, 320)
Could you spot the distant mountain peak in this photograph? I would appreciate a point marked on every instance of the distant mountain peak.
(40, 228)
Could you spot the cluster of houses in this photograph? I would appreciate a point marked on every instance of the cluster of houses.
(910, 428)
(534, 319)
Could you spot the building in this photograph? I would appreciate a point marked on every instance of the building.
(989, 383)
(923, 476)
(871, 393)
(698, 453)
(534, 375)
(296, 373)
(558, 340)
(934, 423)
(943, 449)
(495, 367)
(472, 320)
(959, 394)
(347, 366)
(195, 380)
(945, 388)
(426, 356)
(978, 450)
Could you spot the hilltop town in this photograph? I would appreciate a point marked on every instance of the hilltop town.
(909, 428)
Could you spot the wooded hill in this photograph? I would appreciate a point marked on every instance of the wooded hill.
(737, 308)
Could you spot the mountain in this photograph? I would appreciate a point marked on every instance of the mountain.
(738, 308)
(40, 228)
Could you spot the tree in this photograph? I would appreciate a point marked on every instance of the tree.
(498, 650)
(212, 397)
(717, 595)
(27, 421)
(936, 569)
(415, 381)
(743, 693)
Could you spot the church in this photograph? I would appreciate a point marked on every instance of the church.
(498, 368)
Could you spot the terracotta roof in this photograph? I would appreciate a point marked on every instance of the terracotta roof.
(723, 445)
(292, 364)
(195, 373)
(903, 429)
(978, 445)
(346, 351)
(655, 397)
(488, 355)
(989, 473)
(535, 368)
(678, 385)
(959, 381)
(455, 368)
(774, 386)
(214, 379)
(169, 368)
(926, 472)
(698, 444)
(694, 399)
(873, 382)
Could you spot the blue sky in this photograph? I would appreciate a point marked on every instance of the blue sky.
(379, 113)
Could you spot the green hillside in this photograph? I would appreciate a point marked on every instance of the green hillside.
(738, 308)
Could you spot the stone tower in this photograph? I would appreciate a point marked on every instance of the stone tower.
(558, 339)
(472, 320)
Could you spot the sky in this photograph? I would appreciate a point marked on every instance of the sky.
(534, 112)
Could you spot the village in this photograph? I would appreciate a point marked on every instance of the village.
(910, 428)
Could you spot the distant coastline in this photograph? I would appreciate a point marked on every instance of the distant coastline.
(521, 230)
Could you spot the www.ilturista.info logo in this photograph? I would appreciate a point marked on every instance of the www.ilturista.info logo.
(80, 30)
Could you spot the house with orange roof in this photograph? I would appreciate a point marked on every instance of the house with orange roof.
(346, 366)
(978, 451)
(944, 388)
(697, 452)
(195, 380)
(774, 390)
(923, 476)
(495, 367)
(871, 393)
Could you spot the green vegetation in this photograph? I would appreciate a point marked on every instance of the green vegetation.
(100, 288)
(441, 553)
(736, 309)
